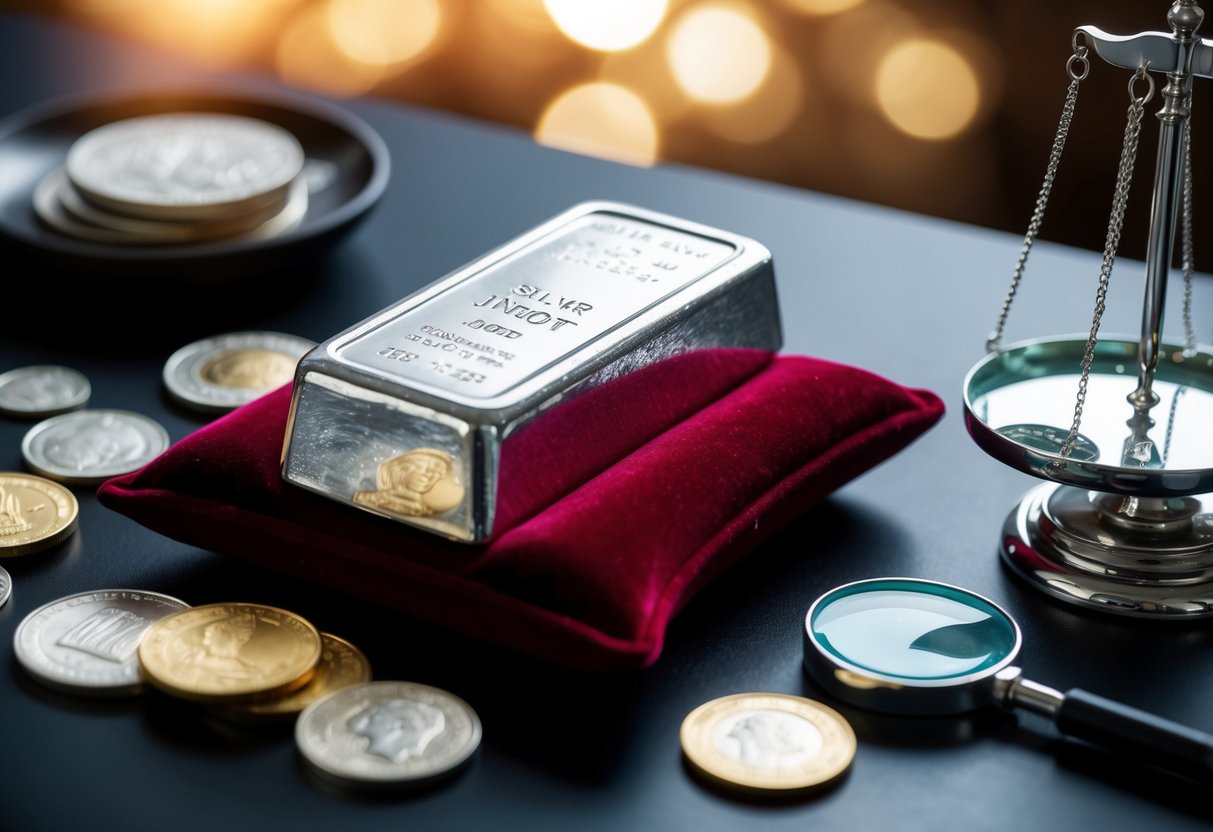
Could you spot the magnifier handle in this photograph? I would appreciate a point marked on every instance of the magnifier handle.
(1157, 741)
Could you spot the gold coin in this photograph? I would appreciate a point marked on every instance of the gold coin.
(230, 652)
(768, 742)
(417, 483)
(34, 514)
(251, 369)
(341, 665)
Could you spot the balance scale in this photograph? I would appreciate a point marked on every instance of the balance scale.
(1121, 429)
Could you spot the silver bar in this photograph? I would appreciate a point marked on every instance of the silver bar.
(405, 414)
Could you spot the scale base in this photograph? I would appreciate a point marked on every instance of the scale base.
(1146, 557)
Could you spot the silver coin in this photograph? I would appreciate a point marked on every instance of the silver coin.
(87, 643)
(218, 374)
(90, 446)
(185, 166)
(383, 734)
(6, 586)
(42, 390)
(51, 193)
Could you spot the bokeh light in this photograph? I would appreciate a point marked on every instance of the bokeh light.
(308, 57)
(718, 54)
(215, 32)
(607, 25)
(821, 7)
(767, 113)
(384, 32)
(927, 89)
(601, 119)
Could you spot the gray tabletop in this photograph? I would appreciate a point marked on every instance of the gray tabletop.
(905, 296)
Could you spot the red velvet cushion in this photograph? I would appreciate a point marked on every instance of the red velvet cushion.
(606, 525)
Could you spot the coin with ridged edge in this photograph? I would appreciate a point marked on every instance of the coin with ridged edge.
(88, 447)
(35, 514)
(6, 586)
(767, 742)
(86, 643)
(221, 373)
(42, 390)
(341, 665)
(387, 734)
(185, 166)
(230, 652)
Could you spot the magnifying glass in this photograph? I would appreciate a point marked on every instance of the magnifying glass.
(910, 646)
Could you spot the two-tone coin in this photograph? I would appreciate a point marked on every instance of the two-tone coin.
(90, 446)
(42, 390)
(224, 653)
(6, 586)
(35, 514)
(767, 742)
(185, 166)
(224, 372)
(387, 734)
(87, 643)
(341, 665)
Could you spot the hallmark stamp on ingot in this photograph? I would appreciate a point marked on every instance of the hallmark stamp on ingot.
(407, 414)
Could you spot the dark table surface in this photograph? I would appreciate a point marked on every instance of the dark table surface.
(906, 296)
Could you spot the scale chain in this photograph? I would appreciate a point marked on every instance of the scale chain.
(1077, 67)
(1187, 257)
(1124, 177)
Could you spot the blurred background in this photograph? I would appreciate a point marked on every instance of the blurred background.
(943, 107)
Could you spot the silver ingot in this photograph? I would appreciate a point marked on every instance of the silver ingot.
(405, 414)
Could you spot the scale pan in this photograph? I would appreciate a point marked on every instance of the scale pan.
(1165, 451)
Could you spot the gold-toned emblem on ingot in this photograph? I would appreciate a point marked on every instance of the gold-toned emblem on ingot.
(249, 369)
(418, 483)
(35, 513)
(341, 665)
(767, 742)
(230, 652)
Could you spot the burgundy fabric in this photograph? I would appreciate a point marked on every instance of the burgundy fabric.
(608, 523)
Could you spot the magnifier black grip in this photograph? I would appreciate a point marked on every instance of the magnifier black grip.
(1156, 741)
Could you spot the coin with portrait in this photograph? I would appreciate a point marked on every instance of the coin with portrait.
(341, 665)
(90, 446)
(384, 734)
(417, 483)
(230, 652)
(42, 390)
(767, 742)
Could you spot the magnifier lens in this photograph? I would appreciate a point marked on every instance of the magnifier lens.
(911, 630)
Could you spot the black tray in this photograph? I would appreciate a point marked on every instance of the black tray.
(350, 157)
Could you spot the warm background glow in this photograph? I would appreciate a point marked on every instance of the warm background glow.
(607, 25)
(927, 89)
(601, 119)
(719, 54)
(945, 107)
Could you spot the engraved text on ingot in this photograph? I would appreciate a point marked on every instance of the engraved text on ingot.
(418, 483)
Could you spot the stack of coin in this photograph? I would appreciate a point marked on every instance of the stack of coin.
(177, 178)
